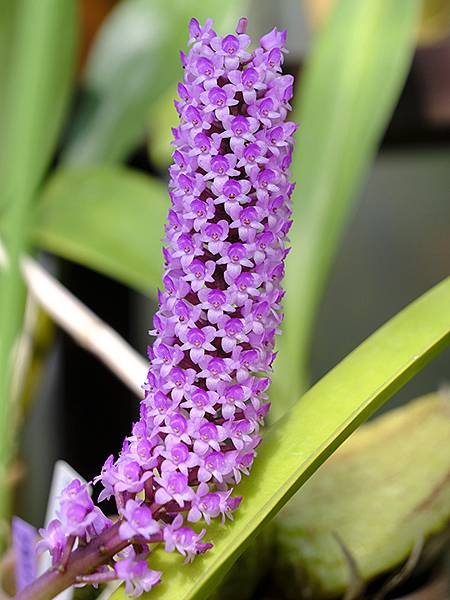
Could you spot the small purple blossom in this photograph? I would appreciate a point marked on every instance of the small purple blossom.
(137, 521)
(184, 539)
(52, 539)
(219, 311)
(136, 575)
(77, 514)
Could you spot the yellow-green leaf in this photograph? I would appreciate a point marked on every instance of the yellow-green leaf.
(317, 424)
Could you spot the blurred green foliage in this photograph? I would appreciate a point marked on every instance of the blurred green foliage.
(347, 95)
(382, 492)
(108, 218)
(134, 59)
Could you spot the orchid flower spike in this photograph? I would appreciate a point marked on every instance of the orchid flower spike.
(219, 310)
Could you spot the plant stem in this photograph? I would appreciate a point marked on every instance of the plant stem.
(83, 560)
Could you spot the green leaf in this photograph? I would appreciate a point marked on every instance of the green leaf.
(41, 53)
(107, 218)
(379, 507)
(7, 19)
(351, 84)
(160, 130)
(134, 59)
(43, 120)
(317, 424)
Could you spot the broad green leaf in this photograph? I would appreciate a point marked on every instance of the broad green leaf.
(107, 218)
(44, 118)
(39, 70)
(379, 507)
(134, 59)
(316, 425)
(350, 86)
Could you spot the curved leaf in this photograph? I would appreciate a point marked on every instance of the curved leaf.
(135, 58)
(110, 219)
(317, 424)
(349, 89)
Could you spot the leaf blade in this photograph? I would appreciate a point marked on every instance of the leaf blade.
(44, 122)
(134, 59)
(298, 443)
(108, 218)
(34, 102)
(348, 91)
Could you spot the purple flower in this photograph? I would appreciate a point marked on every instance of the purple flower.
(219, 311)
(136, 575)
(178, 457)
(198, 341)
(52, 539)
(174, 485)
(208, 437)
(129, 475)
(77, 514)
(138, 521)
(184, 539)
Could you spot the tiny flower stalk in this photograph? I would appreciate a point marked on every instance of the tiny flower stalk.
(220, 308)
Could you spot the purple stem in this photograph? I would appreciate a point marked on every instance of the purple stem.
(82, 561)
(97, 578)
(67, 552)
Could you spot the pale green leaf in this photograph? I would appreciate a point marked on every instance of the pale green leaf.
(351, 84)
(7, 18)
(109, 218)
(44, 114)
(317, 424)
(134, 59)
(160, 129)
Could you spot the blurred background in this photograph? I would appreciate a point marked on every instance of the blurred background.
(395, 245)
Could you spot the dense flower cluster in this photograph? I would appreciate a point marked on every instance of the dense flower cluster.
(225, 245)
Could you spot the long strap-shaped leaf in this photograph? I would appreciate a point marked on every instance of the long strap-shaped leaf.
(351, 84)
(317, 424)
(42, 52)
